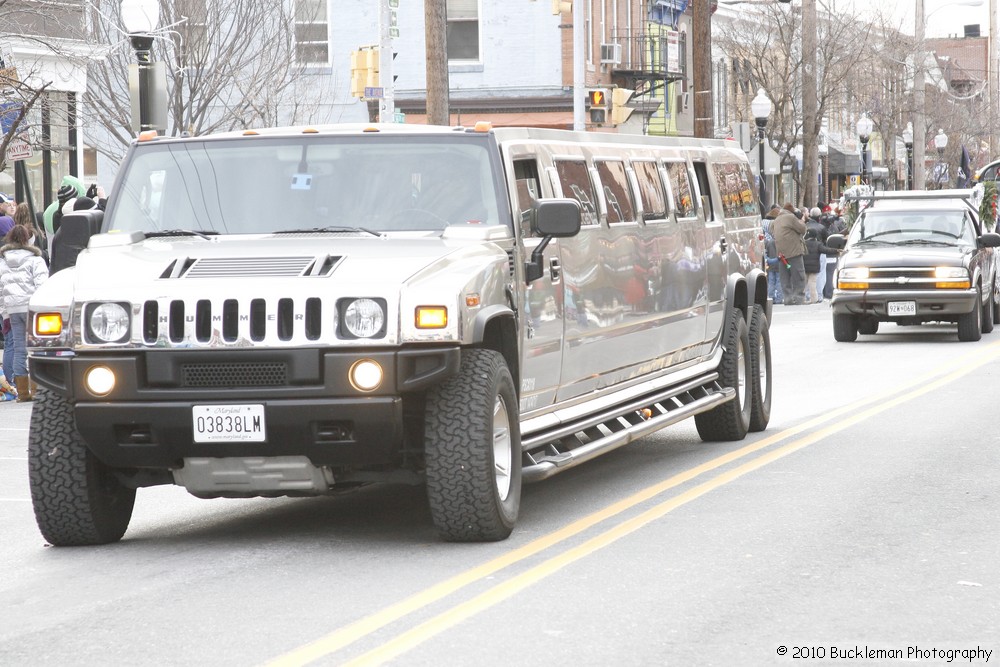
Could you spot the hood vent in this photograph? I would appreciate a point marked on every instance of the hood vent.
(251, 267)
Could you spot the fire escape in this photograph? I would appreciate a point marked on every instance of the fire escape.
(646, 61)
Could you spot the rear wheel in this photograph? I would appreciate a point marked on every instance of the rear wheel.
(77, 499)
(760, 349)
(731, 420)
(473, 451)
(970, 326)
(845, 328)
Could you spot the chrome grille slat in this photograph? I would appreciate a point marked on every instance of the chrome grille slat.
(247, 267)
(225, 320)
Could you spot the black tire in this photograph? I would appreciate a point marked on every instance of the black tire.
(970, 325)
(760, 350)
(987, 316)
(731, 420)
(867, 326)
(77, 499)
(473, 462)
(845, 328)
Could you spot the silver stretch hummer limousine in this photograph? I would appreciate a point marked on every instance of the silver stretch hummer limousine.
(297, 311)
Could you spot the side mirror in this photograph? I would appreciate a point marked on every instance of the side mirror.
(557, 218)
(836, 241)
(554, 218)
(989, 240)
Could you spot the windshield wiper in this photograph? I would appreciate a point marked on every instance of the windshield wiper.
(182, 232)
(922, 242)
(331, 229)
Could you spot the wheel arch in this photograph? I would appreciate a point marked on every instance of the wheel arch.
(737, 294)
(495, 328)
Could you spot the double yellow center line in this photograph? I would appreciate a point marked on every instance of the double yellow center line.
(852, 414)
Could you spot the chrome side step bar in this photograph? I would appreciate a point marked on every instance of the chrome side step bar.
(550, 452)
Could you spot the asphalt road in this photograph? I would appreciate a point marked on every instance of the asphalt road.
(860, 528)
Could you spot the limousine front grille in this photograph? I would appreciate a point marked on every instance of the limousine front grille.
(273, 374)
(220, 321)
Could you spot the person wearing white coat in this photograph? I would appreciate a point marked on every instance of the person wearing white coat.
(22, 271)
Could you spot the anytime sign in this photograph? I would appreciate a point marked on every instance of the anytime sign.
(18, 149)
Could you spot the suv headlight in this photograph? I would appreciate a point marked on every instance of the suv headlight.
(853, 278)
(362, 318)
(108, 322)
(951, 277)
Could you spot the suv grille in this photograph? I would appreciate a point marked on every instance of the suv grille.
(901, 278)
(229, 320)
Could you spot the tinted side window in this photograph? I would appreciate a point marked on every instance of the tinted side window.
(528, 190)
(680, 184)
(749, 204)
(725, 179)
(616, 190)
(575, 180)
(654, 203)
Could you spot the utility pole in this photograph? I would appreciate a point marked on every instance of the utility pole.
(810, 100)
(436, 53)
(704, 125)
(919, 117)
(386, 105)
(993, 71)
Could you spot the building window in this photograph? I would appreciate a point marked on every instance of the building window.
(312, 37)
(463, 30)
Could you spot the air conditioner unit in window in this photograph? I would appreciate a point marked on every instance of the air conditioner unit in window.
(683, 101)
(611, 54)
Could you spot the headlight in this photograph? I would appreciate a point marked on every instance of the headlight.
(951, 277)
(363, 318)
(853, 278)
(108, 322)
(950, 272)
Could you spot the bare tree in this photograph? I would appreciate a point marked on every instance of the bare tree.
(230, 65)
(49, 25)
(769, 44)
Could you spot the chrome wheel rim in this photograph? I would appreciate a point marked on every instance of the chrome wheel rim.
(502, 448)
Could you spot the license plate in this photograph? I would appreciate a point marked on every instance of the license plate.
(228, 423)
(901, 308)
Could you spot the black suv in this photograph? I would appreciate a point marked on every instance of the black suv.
(914, 257)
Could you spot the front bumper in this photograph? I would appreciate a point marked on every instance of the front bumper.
(310, 407)
(931, 305)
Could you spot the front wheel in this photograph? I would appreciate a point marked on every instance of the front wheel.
(77, 499)
(731, 420)
(760, 350)
(970, 326)
(845, 328)
(473, 451)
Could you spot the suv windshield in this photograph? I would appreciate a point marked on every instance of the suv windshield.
(913, 227)
(262, 184)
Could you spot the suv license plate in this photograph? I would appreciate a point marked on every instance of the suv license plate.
(228, 423)
(900, 308)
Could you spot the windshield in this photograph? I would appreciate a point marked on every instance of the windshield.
(914, 228)
(263, 185)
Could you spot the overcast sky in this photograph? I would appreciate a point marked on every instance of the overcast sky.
(945, 17)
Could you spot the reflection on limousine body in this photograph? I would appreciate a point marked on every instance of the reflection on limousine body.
(467, 309)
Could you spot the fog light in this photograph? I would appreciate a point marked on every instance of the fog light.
(366, 375)
(100, 380)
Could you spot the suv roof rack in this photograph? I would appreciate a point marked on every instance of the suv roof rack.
(967, 195)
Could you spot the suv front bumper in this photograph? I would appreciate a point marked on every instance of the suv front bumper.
(930, 304)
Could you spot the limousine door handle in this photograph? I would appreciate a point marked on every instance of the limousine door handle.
(555, 269)
(722, 244)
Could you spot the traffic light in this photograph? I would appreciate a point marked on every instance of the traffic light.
(559, 7)
(597, 100)
(620, 112)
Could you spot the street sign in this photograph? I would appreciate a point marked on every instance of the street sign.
(19, 149)
(9, 111)
(374, 92)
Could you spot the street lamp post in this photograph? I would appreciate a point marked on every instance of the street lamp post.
(864, 131)
(140, 18)
(760, 107)
(908, 142)
(940, 143)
